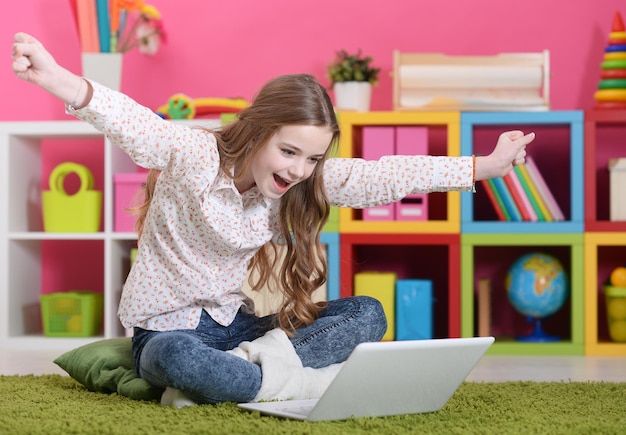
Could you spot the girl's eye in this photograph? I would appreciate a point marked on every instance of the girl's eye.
(287, 152)
(314, 159)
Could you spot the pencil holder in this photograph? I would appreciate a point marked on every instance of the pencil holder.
(77, 213)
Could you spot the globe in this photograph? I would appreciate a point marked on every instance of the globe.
(537, 287)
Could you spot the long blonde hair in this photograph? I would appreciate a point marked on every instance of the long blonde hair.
(296, 99)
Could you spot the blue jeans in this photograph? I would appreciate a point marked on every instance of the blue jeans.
(194, 360)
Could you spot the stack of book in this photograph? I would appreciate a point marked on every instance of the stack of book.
(523, 195)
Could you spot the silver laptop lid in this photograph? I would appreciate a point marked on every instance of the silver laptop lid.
(399, 377)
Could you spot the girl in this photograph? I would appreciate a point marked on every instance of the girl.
(221, 203)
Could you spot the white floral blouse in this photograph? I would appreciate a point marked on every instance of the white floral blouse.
(200, 232)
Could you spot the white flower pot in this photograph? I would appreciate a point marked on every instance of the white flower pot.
(353, 96)
(104, 68)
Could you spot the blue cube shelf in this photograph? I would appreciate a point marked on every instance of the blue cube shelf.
(557, 147)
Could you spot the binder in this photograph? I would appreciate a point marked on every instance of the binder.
(381, 286)
(414, 309)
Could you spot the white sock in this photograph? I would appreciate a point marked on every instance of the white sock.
(284, 377)
(175, 398)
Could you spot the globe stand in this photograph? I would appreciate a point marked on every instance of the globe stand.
(538, 334)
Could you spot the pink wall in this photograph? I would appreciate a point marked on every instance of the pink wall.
(228, 49)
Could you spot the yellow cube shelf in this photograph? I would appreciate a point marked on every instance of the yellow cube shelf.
(444, 130)
(603, 252)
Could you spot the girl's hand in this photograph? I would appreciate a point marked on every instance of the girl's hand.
(510, 150)
(33, 63)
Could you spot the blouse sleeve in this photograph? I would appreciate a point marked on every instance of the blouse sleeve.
(359, 183)
(150, 141)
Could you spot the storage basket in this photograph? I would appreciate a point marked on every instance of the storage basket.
(72, 314)
(77, 213)
(616, 312)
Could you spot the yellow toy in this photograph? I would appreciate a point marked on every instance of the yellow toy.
(180, 106)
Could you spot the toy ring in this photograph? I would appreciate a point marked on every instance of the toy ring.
(612, 84)
(611, 105)
(615, 55)
(618, 95)
(616, 47)
(614, 64)
(613, 74)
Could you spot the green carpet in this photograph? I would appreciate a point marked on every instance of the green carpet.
(56, 404)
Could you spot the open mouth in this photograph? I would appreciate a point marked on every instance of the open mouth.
(281, 182)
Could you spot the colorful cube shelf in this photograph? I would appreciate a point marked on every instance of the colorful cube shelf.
(435, 257)
(491, 255)
(557, 151)
(604, 139)
(603, 252)
(443, 139)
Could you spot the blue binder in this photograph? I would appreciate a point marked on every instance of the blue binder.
(414, 309)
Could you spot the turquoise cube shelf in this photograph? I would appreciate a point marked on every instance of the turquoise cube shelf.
(566, 124)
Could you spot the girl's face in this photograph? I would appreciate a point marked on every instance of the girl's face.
(287, 159)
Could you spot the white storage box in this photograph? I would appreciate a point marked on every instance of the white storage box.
(617, 178)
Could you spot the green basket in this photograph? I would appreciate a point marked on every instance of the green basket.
(616, 312)
(72, 314)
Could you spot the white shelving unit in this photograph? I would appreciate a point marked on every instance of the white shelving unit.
(22, 235)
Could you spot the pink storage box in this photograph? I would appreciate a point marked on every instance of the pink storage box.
(378, 142)
(128, 194)
(410, 141)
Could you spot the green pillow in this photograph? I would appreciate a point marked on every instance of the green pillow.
(106, 366)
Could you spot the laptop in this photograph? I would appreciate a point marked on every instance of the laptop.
(388, 378)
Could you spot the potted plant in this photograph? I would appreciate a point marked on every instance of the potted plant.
(352, 77)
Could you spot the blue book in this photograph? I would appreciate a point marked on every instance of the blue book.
(508, 200)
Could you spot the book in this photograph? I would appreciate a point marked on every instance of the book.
(484, 307)
(495, 201)
(529, 195)
(541, 209)
(514, 213)
(499, 202)
(519, 196)
(544, 190)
